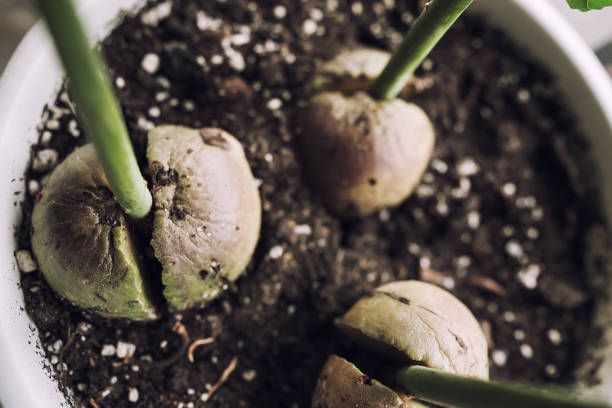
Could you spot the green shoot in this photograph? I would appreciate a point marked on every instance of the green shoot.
(427, 30)
(586, 5)
(464, 392)
(98, 108)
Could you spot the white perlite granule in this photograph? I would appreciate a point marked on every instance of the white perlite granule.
(280, 11)
(473, 219)
(45, 160)
(73, 128)
(499, 357)
(276, 252)
(125, 349)
(309, 27)
(526, 351)
(509, 189)
(523, 95)
(519, 335)
(46, 137)
(554, 336)
(235, 59)
(303, 229)
(145, 124)
(53, 124)
(157, 13)
(439, 166)
(529, 275)
(249, 375)
(467, 167)
(514, 249)
(154, 112)
(25, 261)
(274, 104)
(108, 350)
(133, 395)
(206, 23)
(150, 63)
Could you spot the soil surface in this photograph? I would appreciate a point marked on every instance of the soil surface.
(501, 217)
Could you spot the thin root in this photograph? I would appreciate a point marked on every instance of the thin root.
(196, 344)
(93, 403)
(69, 341)
(226, 373)
(179, 329)
(488, 284)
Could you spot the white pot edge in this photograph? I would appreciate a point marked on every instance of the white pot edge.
(23, 382)
(587, 88)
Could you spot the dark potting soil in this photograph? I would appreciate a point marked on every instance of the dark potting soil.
(501, 218)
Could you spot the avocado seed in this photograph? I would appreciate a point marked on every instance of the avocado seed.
(207, 211)
(342, 385)
(406, 322)
(206, 220)
(421, 323)
(84, 244)
(360, 154)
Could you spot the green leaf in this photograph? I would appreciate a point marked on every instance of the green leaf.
(586, 5)
(598, 4)
(578, 4)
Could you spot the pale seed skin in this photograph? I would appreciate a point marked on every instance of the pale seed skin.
(350, 71)
(421, 323)
(342, 385)
(84, 245)
(360, 154)
(207, 211)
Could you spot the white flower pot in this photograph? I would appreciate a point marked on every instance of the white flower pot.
(33, 77)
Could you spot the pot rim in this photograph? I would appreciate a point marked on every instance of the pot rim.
(32, 78)
(587, 89)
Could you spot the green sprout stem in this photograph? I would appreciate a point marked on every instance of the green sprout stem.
(97, 105)
(464, 392)
(424, 34)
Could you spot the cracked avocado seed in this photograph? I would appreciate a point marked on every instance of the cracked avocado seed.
(342, 385)
(206, 220)
(421, 323)
(408, 322)
(207, 211)
(84, 245)
(360, 154)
